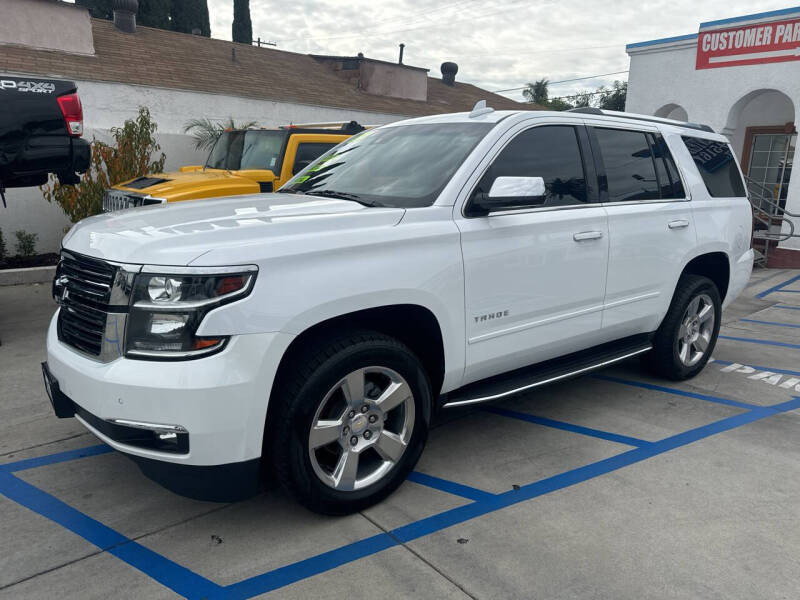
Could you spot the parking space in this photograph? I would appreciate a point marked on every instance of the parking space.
(614, 485)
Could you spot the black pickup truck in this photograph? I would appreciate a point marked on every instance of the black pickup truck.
(41, 121)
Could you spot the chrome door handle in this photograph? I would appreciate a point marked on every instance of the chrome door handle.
(587, 235)
(679, 224)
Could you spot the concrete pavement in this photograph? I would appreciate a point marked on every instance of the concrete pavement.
(615, 485)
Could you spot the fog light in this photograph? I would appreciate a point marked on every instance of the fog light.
(167, 325)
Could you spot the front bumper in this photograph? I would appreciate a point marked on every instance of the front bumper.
(216, 483)
(220, 400)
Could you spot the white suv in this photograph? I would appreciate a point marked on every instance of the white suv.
(430, 263)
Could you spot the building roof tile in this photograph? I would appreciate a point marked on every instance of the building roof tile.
(166, 59)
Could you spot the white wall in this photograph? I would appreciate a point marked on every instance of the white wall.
(665, 74)
(107, 105)
(768, 108)
(46, 24)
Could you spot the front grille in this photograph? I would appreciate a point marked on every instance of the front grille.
(83, 289)
(119, 200)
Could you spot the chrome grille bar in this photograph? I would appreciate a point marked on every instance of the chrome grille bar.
(94, 297)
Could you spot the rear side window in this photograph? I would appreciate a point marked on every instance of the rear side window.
(630, 169)
(715, 162)
(668, 179)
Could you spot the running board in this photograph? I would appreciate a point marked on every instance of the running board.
(527, 378)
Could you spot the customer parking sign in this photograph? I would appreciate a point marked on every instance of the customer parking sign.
(753, 44)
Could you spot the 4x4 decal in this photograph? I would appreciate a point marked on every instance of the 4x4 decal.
(36, 87)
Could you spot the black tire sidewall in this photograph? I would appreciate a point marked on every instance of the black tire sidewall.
(689, 287)
(304, 483)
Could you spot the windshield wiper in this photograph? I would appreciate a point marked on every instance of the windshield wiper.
(341, 196)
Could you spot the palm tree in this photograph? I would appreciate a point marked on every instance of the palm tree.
(537, 92)
(206, 132)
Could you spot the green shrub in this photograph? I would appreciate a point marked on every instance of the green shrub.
(26, 243)
(131, 155)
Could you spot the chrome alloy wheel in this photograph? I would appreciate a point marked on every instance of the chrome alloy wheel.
(361, 428)
(697, 327)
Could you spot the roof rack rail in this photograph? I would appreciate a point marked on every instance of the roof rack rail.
(345, 126)
(591, 110)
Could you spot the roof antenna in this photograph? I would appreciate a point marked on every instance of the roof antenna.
(480, 108)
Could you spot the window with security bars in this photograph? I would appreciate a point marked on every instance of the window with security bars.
(770, 163)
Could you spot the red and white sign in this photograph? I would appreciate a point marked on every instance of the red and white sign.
(777, 41)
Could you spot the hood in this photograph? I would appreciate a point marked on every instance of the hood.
(177, 234)
(191, 184)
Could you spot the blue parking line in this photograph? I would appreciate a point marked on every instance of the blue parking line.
(759, 368)
(596, 433)
(179, 579)
(450, 487)
(50, 459)
(676, 392)
(757, 341)
(778, 287)
(786, 306)
(191, 585)
(283, 576)
(776, 323)
(272, 580)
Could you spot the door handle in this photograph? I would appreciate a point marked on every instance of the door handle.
(679, 224)
(587, 235)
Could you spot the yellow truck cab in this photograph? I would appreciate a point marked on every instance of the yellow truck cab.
(242, 161)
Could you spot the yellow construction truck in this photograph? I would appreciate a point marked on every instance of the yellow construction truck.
(242, 161)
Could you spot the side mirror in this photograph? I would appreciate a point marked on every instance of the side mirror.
(511, 192)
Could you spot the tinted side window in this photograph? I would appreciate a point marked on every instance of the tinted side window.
(630, 169)
(550, 152)
(668, 179)
(307, 153)
(715, 162)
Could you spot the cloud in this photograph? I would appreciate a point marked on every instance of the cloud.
(497, 44)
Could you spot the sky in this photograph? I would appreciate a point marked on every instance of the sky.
(497, 44)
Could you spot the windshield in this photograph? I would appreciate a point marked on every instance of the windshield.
(247, 149)
(405, 166)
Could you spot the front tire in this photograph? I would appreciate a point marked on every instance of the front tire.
(687, 336)
(350, 422)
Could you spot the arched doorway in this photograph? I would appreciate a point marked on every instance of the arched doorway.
(672, 111)
(761, 127)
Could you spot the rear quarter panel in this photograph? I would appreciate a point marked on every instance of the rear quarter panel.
(721, 224)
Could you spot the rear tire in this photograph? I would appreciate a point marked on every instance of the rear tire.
(687, 336)
(350, 421)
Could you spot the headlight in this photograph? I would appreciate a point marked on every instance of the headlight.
(167, 309)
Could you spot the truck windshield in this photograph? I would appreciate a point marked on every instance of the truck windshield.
(247, 149)
(405, 166)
